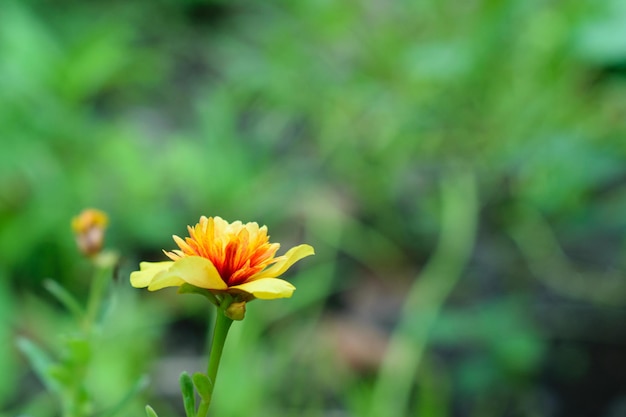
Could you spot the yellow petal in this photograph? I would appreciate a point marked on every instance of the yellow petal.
(147, 271)
(267, 288)
(292, 256)
(193, 270)
(164, 279)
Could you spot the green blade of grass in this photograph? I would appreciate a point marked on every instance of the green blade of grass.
(459, 212)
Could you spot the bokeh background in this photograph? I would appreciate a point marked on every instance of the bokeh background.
(459, 167)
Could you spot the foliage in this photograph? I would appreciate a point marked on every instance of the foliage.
(340, 122)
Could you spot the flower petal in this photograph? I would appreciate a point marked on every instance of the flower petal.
(267, 288)
(165, 279)
(193, 270)
(147, 272)
(292, 256)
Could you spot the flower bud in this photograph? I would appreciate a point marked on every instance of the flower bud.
(236, 310)
(89, 227)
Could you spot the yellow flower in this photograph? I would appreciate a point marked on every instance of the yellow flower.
(89, 228)
(222, 257)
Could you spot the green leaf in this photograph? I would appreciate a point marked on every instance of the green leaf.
(64, 297)
(150, 412)
(79, 350)
(41, 363)
(189, 397)
(192, 289)
(203, 386)
(60, 374)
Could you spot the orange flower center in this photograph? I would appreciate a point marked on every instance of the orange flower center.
(238, 251)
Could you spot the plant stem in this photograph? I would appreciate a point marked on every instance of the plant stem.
(104, 264)
(426, 298)
(203, 408)
(222, 325)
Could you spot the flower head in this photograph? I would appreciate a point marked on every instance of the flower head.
(89, 227)
(222, 257)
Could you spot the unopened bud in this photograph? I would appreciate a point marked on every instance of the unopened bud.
(89, 227)
(236, 311)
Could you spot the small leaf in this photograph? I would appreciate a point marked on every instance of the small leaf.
(60, 374)
(189, 397)
(203, 386)
(150, 412)
(65, 298)
(79, 350)
(41, 363)
(192, 289)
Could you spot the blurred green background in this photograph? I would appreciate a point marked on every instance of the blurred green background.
(459, 167)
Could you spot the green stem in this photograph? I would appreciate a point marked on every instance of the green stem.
(222, 325)
(104, 265)
(203, 408)
(427, 296)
